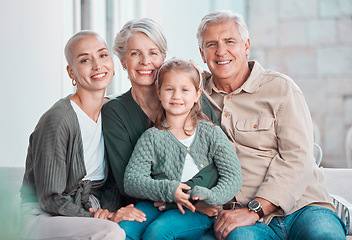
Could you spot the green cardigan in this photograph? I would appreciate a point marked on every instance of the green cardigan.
(55, 167)
(155, 168)
(123, 124)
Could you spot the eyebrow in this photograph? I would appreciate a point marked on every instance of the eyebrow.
(85, 54)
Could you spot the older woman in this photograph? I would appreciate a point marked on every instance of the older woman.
(141, 48)
(65, 186)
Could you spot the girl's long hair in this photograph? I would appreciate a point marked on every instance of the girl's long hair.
(191, 68)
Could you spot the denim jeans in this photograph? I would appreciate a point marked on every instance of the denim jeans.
(171, 224)
(312, 222)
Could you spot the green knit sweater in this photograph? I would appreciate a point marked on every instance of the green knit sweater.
(123, 123)
(155, 168)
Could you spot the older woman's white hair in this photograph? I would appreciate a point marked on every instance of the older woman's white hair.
(141, 25)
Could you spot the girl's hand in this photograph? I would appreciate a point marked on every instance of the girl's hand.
(182, 199)
(100, 213)
(129, 213)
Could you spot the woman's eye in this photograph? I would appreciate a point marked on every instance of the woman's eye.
(104, 55)
(134, 54)
(84, 60)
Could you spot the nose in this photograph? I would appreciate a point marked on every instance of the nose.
(176, 94)
(145, 60)
(221, 50)
(97, 64)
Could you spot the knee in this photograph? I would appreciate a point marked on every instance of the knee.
(112, 230)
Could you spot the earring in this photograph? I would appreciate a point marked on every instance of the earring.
(74, 83)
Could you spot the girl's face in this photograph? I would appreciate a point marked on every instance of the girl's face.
(92, 66)
(177, 93)
(142, 60)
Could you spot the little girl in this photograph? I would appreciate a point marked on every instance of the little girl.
(182, 142)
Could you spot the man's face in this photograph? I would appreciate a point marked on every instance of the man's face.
(224, 51)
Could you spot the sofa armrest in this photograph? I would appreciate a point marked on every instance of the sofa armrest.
(344, 210)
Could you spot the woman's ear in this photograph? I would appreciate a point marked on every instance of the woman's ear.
(70, 72)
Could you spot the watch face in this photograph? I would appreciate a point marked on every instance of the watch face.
(253, 205)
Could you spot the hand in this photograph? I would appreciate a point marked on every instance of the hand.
(129, 213)
(182, 199)
(228, 220)
(207, 210)
(160, 205)
(100, 213)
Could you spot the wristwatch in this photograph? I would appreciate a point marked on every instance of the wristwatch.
(255, 206)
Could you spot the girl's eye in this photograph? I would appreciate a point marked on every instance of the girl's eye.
(169, 89)
(185, 90)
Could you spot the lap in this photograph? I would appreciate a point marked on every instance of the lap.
(45, 226)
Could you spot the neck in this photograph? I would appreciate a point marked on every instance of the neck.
(147, 98)
(231, 84)
(89, 102)
(178, 124)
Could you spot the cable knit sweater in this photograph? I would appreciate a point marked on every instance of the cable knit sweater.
(155, 168)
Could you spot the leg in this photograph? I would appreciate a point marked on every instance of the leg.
(314, 222)
(258, 231)
(134, 230)
(172, 224)
(45, 226)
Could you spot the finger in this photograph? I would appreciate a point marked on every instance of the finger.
(185, 186)
(189, 205)
(91, 210)
(181, 208)
(196, 198)
(129, 206)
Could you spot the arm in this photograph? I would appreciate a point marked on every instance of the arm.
(118, 144)
(207, 109)
(227, 164)
(138, 180)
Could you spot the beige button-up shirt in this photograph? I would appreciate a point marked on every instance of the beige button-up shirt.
(270, 127)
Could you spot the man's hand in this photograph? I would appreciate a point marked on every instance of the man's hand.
(228, 220)
(207, 210)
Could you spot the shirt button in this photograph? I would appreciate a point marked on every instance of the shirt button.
(255, 126)
(226, 114)
(201, 165)
(188, 149)
(228, 97)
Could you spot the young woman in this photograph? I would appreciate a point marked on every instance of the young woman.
(65, 191)
(182, 142)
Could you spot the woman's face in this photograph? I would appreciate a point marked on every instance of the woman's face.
(142, 60)
(92, 66)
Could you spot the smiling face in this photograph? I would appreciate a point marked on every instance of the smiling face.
(142, 60)
(177, 93)
(92, 66)
(224, 52)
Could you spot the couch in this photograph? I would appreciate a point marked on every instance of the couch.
(338, 182)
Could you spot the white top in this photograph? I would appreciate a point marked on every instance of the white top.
(190, 168)
(93, 144)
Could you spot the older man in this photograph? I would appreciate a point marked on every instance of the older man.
(266, 117)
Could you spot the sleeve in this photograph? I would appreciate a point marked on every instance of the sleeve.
(138, 180)
(207, 109)
(51, 168)
(118, 145)
(228, 167)
(292, 169)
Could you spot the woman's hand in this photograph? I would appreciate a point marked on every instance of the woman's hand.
(128, 213)
(100, 213)
(182, 199)
(160, 205)
(207, 210)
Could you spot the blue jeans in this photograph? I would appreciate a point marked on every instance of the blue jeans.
(312, 222)
(171, 224)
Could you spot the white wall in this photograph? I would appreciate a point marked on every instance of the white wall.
(31, 65)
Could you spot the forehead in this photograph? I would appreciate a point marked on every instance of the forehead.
(87, 45)
(140, 40)
(222, 30)
(178, 77)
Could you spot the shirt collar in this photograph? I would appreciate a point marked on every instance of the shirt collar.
(251, 85)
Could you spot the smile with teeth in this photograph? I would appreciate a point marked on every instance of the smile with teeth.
(145, 72)
(222, 63)
(99, 75)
